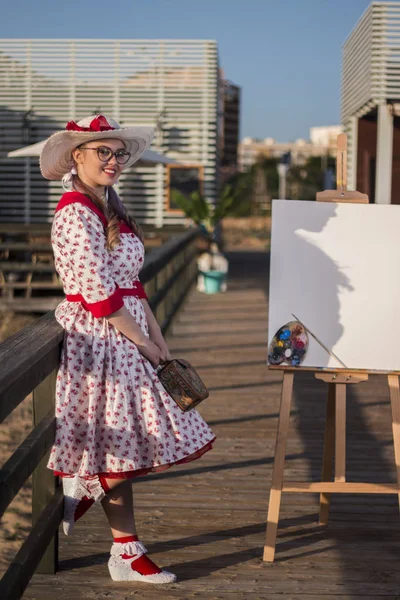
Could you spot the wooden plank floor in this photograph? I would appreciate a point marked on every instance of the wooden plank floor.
(206, 520)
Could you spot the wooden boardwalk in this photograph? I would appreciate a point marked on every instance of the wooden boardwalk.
(206, 520)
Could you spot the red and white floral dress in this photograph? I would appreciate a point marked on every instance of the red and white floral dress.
(113, 415)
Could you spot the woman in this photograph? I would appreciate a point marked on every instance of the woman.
(115, 421)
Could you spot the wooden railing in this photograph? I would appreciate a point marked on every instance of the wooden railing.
(29, 362)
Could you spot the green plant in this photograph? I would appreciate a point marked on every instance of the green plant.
(196, 207)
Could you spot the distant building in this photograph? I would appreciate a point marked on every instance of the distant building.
(231, 127)
(323, 142)
(172, 85)
(326, 136)
(371, 103)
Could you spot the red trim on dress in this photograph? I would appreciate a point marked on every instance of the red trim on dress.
(74, 197)
(140, 472)
(138, 289)
(77, 197)
(124, 228)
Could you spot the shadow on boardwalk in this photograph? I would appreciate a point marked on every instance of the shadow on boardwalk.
(206, 520)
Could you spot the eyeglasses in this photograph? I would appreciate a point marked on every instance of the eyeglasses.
(105, 154)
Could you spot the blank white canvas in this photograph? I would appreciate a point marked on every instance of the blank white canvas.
(337, 268)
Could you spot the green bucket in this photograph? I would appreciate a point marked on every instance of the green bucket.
(213, 281)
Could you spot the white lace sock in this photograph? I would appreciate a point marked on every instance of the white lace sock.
(79, 495)
(128, 562)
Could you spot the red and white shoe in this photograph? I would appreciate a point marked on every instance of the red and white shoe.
(127, 563)
(79, 495)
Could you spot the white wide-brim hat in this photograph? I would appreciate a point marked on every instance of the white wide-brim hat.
(56, 156)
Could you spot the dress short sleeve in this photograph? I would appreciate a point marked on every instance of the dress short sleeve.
(81, 258)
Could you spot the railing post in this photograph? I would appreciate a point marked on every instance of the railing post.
(173, 292)
(194, 268)
(151, 287)
(43, 481)
(161, 311)
(169, 300)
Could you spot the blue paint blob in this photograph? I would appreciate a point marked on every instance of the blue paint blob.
(285, 335)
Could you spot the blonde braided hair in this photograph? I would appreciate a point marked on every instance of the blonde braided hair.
(114, 212)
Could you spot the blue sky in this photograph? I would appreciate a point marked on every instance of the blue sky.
(285, 54)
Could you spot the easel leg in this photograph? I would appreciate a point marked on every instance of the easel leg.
(329, 444)
(393, 381)
(340, 433)
(279, 464)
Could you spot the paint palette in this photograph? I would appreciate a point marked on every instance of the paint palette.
(289, 345)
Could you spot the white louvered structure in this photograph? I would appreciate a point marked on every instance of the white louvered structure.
(371, 82)
(171, 84)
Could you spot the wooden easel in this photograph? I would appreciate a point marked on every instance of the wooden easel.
(335, 427)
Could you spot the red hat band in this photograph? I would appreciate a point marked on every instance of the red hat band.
(99, 123)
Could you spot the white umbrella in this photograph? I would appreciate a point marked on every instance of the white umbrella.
(149, 156)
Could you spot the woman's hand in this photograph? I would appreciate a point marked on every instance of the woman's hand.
(155, 332)
(150, 351)
(154, 349)
(162, 345)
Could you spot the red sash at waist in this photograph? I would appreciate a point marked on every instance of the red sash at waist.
(124, 292)
(103, 308)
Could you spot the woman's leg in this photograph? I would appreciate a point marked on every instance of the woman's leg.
(118, 506)
(128, 560)
(80, 495)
